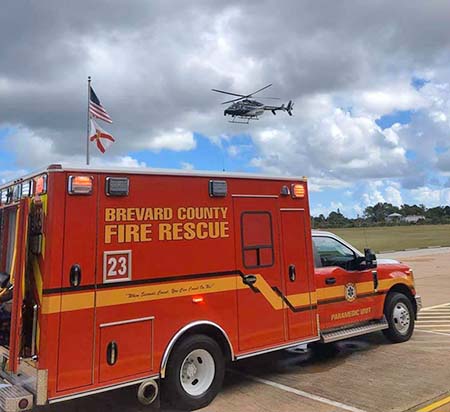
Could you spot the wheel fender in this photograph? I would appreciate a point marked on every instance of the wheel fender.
(405, 290)
(187, 328)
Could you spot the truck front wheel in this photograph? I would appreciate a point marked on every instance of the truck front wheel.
(399, 313)
(195, 373)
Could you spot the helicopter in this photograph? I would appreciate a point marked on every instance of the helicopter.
(246, 109)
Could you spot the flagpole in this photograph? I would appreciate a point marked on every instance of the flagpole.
(88, 121)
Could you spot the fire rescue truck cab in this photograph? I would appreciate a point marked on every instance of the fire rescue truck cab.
(112, 278)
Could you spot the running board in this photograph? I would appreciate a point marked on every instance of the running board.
(335, 335)
(14, 398)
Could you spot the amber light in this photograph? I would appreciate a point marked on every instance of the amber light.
(41, 185)
(197, 299)
(298, 191)
(80, 185)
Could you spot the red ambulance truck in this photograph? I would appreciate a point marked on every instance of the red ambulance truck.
(112, 278)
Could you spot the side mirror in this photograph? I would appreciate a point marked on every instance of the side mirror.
(370, 259)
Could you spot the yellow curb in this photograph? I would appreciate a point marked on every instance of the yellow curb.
(435, 405)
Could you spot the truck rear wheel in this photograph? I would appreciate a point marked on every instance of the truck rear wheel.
(399, 313)
(195, 373)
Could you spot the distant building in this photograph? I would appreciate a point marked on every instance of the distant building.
(413, 218)
(393, 217)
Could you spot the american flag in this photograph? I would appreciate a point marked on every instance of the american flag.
(96, 109)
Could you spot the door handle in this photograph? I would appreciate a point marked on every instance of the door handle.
(75, 275)
(375, 280)
(249, 280)
(112, 353)
(330, 281)
(292, 274)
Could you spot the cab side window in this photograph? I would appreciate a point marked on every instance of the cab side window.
(331, 252)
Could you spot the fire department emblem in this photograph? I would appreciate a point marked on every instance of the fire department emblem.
(350, 292)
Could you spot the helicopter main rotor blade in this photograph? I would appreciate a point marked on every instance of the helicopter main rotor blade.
(260, 90)
(234, 100)
(224, 92)
(245, 97)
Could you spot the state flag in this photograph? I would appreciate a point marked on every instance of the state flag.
(101, 138)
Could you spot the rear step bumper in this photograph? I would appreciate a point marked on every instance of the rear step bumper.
(14, 398)
(335, 335)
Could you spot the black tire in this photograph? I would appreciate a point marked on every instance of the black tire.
(172, 386)
(399, 313)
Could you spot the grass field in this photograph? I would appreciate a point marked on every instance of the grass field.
(396, 237)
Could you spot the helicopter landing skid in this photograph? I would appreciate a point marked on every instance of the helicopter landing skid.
(243, 122)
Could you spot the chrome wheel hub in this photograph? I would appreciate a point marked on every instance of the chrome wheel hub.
(197, 372)
(401, 318)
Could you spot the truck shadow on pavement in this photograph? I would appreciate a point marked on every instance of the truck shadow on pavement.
(318, 358)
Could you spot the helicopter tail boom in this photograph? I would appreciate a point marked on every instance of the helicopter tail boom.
(285, 108)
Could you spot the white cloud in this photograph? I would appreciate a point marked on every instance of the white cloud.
(187, 166)
(393, 196)
(117, 161)
(33, 151)
(431, 197)
(390, 98)
(177, 140)
(233, 150)
(330, 146)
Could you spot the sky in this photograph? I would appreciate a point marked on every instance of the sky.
(370, 82)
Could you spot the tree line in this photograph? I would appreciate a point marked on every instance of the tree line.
(379, 215)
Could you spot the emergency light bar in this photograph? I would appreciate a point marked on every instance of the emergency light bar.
(80, 185)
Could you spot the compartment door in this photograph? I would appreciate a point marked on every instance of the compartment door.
(260, 306)
(76, 333)
(18, 261)
(298, 273)
(125, 348)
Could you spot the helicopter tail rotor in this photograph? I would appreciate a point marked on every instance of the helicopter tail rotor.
(289, 107)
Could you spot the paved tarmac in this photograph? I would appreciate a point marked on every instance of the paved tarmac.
(362, 374)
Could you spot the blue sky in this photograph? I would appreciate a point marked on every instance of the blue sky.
(371, 119)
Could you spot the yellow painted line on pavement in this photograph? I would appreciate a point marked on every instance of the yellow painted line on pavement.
(433, 406)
